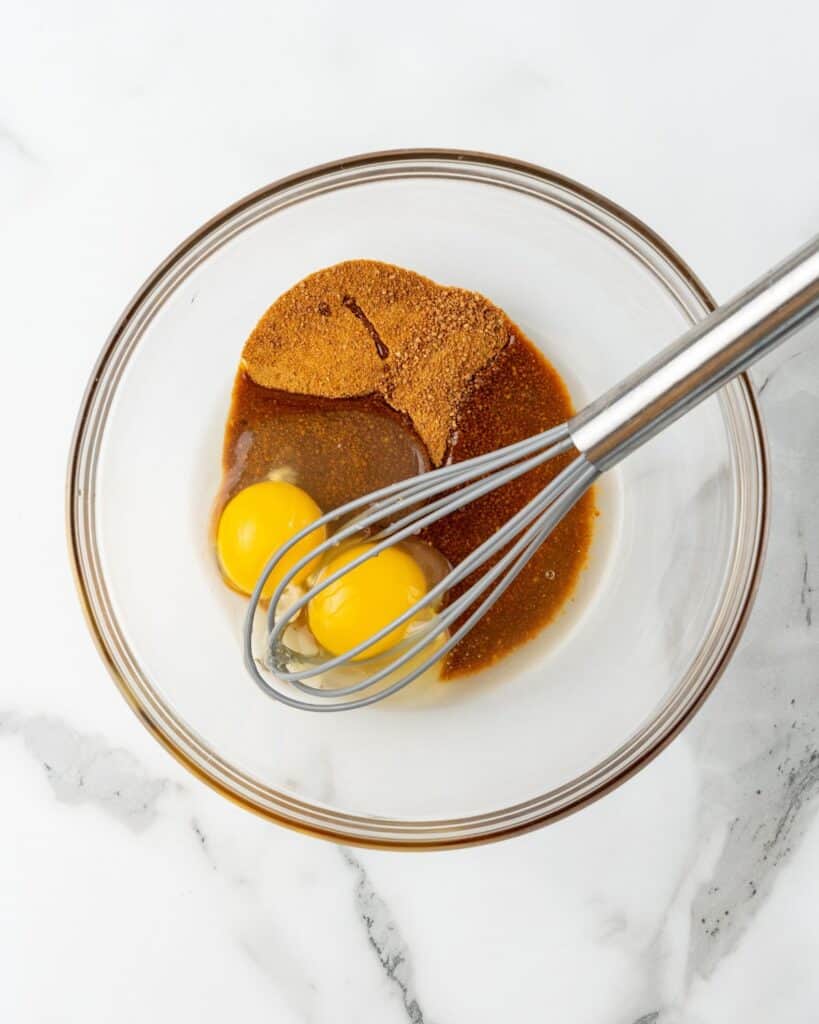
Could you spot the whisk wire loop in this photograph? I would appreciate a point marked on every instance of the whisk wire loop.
(450, 487)
(511, 563)
(468, 565)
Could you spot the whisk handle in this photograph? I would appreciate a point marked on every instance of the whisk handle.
(708, 355)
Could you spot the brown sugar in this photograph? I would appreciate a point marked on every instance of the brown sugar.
(369, 328)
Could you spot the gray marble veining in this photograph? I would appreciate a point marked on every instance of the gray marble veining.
(385, 939)
(758, 738)
(85, 769)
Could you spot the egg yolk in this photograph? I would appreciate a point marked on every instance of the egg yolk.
(365, 599)
(255, 523)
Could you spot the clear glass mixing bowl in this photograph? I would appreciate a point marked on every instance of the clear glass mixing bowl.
(661, 606)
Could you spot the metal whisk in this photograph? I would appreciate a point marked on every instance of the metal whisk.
(678, 378)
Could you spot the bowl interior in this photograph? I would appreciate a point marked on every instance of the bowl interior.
(673, 559)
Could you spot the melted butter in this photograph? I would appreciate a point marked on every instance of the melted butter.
(336, 449)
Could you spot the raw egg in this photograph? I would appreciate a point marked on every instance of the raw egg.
(365, 599)
(255, 523)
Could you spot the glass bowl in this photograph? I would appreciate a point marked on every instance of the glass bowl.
(661, 606)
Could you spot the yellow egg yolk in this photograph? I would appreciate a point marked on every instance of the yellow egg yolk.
(365, 599)
(255, 523)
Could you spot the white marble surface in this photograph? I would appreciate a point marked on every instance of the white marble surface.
(129, 891)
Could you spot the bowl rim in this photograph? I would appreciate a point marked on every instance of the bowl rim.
(380, 836)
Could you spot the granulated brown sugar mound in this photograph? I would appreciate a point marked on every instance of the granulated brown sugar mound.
(364, 327)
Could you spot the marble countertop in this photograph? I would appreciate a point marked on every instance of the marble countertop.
(131, 892)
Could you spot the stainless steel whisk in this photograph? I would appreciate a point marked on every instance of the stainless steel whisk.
(678, 378)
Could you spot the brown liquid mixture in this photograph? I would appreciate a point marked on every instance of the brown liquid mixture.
(517, 395)
(337, 449)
